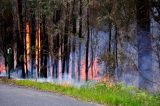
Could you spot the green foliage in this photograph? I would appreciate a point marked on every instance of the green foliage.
(109, 59)
(7, 39)
(120, 12)
(118, 95)
(39, 7)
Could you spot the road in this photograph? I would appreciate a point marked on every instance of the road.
(18, 96)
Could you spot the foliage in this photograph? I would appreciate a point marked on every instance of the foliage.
(118, 95)
(120, 12)
(6, 20)
(109, 59)
(156, 10)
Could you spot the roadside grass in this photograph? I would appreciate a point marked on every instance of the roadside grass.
(118, 95)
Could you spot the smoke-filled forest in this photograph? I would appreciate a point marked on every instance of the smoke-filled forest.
(113, 41)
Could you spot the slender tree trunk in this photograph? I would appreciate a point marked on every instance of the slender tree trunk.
(110, 68)
(33, 43)
(87, 44)
(69, 38)
(37, 49)
(116, 49)
(144, 44)
(74, 19)
(73, 58)
(74, 31)
(20, 43)
(44, 50)
(27, 47)
(80, 36)
(158, 48)
(92, 54)
(110, 37)
(14, 4)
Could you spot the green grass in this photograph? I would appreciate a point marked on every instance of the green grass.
(117, 96)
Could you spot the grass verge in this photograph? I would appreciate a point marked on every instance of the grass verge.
(118, 95)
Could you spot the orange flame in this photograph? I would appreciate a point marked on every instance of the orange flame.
(27, 53)
(93, 70)
(2, 68)
(38, 46)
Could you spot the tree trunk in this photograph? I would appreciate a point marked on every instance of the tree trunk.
(74, 31)
(110, 37)
(144, 44)
(44, 50)
(80, 36)
(37, 49)
(87, 44)
(33, 43)
(20, 42)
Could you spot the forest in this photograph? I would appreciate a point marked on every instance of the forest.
(82, 40)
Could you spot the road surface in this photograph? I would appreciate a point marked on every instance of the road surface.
(17, 96)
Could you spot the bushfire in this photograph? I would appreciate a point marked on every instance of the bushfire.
(27, 48)
(38, 46)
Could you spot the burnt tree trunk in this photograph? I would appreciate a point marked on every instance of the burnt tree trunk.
(20, 41)
(87, 44)
(44, 46)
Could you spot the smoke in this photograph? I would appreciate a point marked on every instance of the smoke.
(3, 74)
(98, 42)
(66, 80)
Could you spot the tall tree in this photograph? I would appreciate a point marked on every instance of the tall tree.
(20, 42)
(88, 40)
(7, 38)
(144, 43)
(80, 37)
(74, 31)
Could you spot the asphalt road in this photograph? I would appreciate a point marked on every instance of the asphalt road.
(17, 96)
